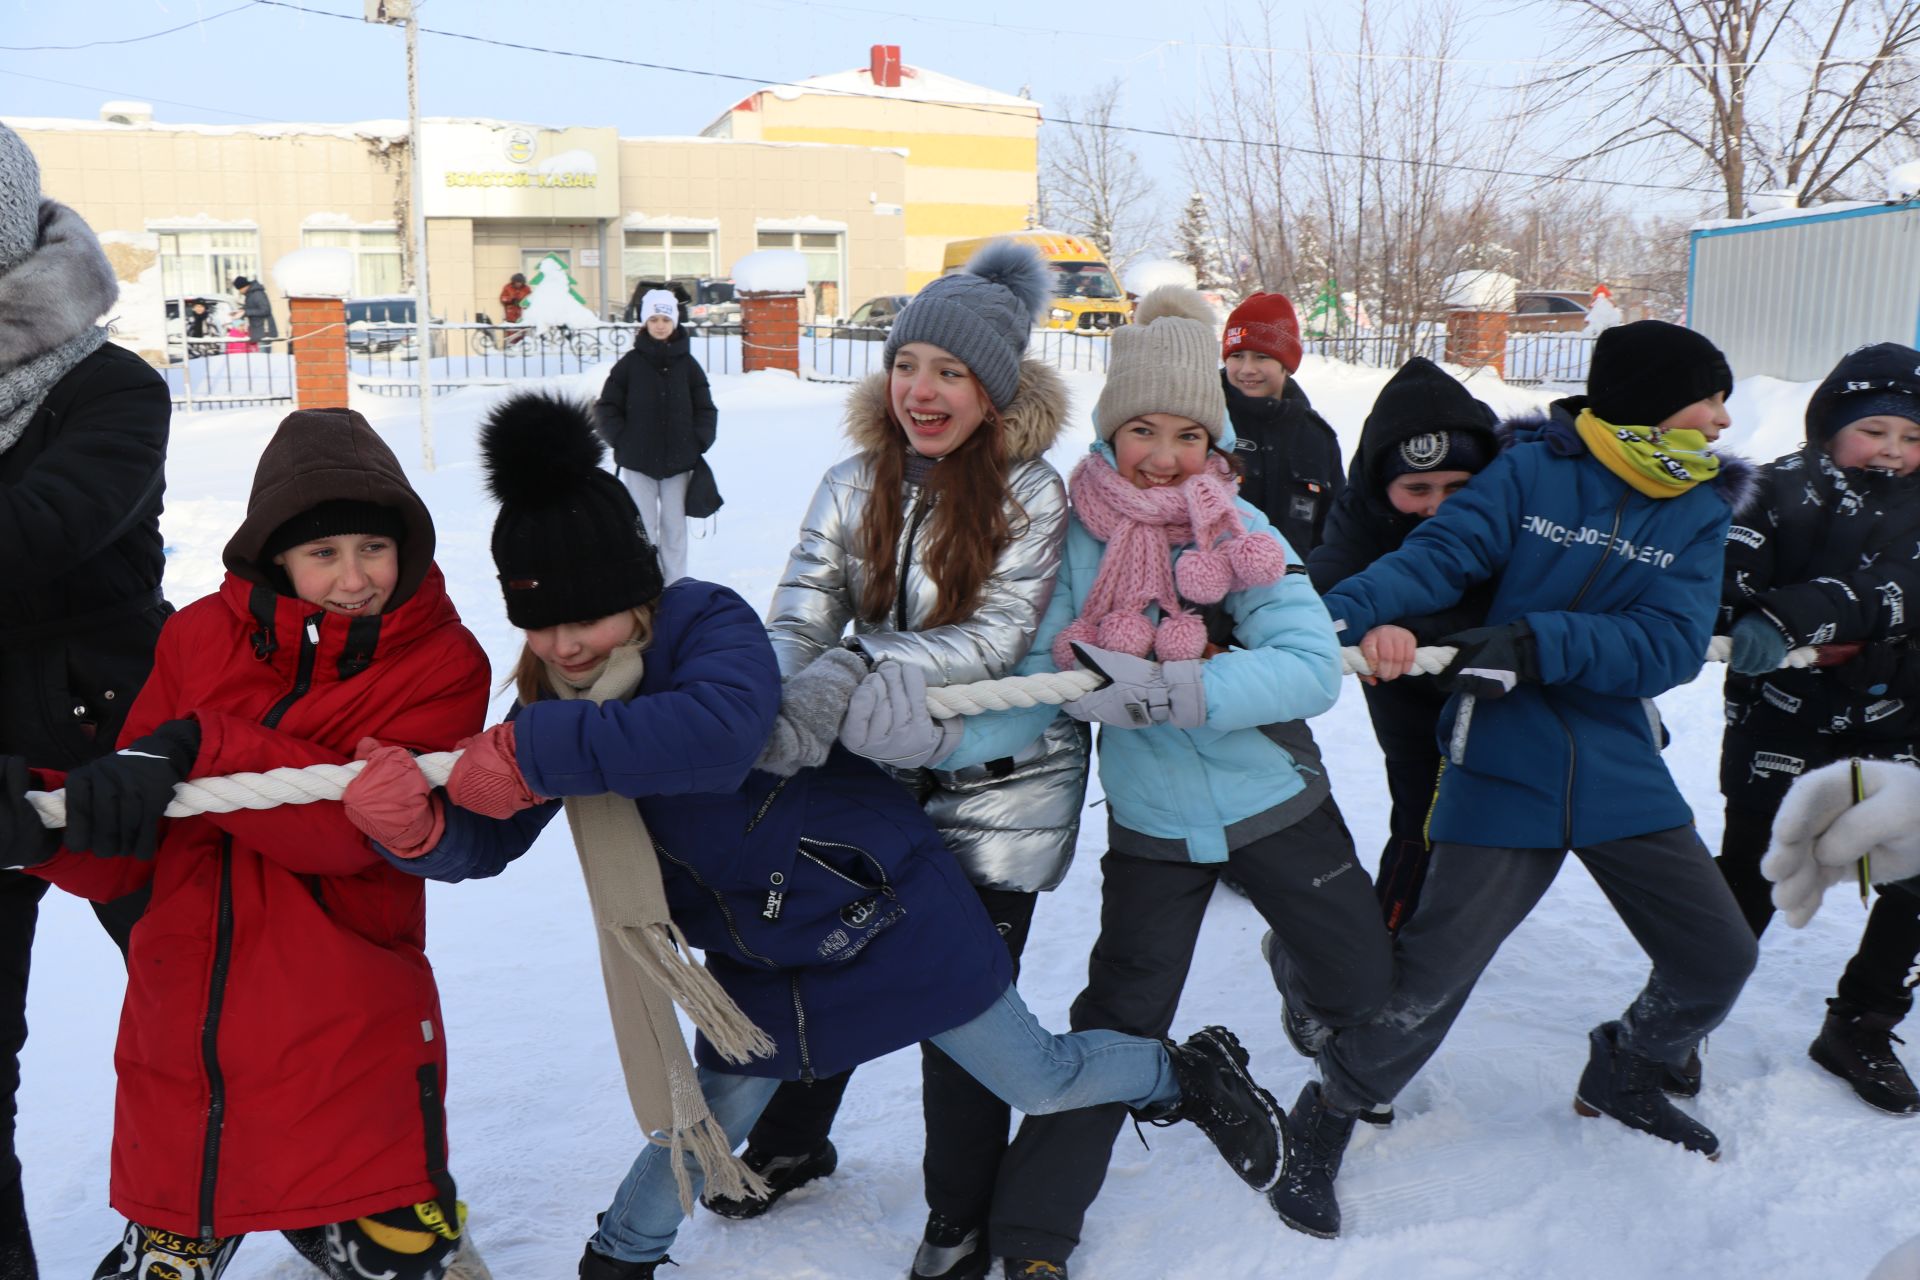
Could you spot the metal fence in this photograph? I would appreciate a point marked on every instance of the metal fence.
(215, 376)
(1377, 350)
(1533, 359)
(486, 354)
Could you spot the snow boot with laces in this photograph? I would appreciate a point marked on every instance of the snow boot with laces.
(951, 1250)
(1317, 1138)
(1034, 1269)
(598, 1266)
(1627, 1086)
(782, 1174)
(1857, 1046)
(1223, 1101)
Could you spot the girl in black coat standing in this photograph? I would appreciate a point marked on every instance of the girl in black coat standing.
(1424, 439)
(657, 412)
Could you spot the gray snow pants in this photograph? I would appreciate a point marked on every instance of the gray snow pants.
(1667, 892)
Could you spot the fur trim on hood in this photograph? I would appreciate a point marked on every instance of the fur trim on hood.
(58, 291)
(1737, 482)
(1031, 422)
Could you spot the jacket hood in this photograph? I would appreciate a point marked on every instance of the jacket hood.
(60, 289)
(1031, 422)
(322, 455)
(673, 345)
(1737, 482)
(1883, 369)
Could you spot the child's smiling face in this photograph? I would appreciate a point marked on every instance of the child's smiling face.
(578, 649)
(1882, 442)
(1159, 449)
(936, 399)
(351, 574)
(1709, 417)
(1255, 373)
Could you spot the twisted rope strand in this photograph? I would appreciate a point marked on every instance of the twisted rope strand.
(276, 787)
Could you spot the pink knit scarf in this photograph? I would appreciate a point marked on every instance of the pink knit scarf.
(1142, 528)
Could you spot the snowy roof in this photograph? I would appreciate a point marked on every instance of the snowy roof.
(1814, 211)
(917, 84)
(705, 140)
(391, 129)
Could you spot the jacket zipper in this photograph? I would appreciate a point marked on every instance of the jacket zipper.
(906, 557)
(223, 955)
(800, 1024)
(1573, 749)
(726, 912)
(880, 872)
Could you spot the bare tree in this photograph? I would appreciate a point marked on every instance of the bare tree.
(1091, 182)
(1790, 94)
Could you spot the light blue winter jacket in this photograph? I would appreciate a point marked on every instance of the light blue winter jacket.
(1251, 770)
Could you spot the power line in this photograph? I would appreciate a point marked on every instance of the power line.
(151, 35)
(144, 97)
(985, 109)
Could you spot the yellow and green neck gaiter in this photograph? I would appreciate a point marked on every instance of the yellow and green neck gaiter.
(1662, 466)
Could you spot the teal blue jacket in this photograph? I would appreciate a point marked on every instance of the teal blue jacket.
(1251, 770)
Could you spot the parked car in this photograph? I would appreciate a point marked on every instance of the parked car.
(1549, 311)
(874, 317)
(388, 323)
(205, 330)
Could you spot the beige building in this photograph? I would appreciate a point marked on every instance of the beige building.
(972, 152)
(185, 208)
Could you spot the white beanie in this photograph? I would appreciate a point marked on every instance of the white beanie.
(658, 302)
(1166, 361)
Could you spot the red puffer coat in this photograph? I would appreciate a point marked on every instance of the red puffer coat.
(281, 1058)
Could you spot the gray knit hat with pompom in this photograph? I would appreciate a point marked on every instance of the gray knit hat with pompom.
(981, 314)
(1166, 361)
(19, 200)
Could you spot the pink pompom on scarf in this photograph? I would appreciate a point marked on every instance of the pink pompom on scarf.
(1142, 528)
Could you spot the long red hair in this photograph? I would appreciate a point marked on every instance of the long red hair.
(966, 532)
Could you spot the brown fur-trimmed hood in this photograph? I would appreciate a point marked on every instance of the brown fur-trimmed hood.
(1031, 423)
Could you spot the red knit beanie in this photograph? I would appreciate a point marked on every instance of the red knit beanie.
(1265, 323)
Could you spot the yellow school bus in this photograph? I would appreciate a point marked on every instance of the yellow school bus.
(1086, 297)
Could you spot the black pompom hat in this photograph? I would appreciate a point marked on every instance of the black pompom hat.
(1645, 372)
(568, 543)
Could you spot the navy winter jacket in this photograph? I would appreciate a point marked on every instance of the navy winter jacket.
(1620, 591)
(826, 904)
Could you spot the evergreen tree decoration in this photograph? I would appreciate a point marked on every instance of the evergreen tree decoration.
(540, 273)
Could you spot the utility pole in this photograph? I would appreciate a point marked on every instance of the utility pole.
(407, 11)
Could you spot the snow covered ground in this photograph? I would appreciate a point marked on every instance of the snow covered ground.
(1487, 1173)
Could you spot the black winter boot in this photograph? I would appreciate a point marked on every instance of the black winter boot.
(598, 1266)
(1317, 1138)
(1626, 1086)
(1682, 1081)
(1034, 1269)
(951, 1250)
(1218, 1096)
(1858, 1047)
(783, 1174)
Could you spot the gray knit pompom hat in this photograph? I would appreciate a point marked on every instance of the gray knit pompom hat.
(19, 200)
(1166, 361)
(981, 314)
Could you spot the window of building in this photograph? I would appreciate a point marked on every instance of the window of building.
(198, 263)
(664, 255)
(825, 252)
(377, 264)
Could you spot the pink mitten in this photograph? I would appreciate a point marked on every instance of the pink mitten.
(486, 778)
(391, 801)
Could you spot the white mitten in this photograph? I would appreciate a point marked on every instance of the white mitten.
(1821, 833)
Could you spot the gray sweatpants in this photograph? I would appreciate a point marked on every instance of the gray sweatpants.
(1667, 892)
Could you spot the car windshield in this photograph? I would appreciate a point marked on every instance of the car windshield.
(1083, 280)
(381, 311)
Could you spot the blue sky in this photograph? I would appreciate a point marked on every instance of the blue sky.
(278, 64)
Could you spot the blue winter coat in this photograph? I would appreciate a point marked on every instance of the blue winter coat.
(1620, 591)
(825, 903)
(1251, 770)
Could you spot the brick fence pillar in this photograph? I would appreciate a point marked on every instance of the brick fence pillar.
(770, 331)
(319, 328)
(1477, 339)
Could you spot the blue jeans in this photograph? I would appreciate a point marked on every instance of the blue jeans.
(1005, 1049)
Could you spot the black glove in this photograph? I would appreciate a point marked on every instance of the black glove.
(24, 840)
(114, 804)
(1491, 661)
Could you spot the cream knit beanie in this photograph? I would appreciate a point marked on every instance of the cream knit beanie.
(1166, 361)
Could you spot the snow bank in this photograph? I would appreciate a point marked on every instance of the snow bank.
(1903, 181)
(1479, 291)
(315, 273)
(1142, 278)
(554, 300)
(1602, 314)
(771, 271)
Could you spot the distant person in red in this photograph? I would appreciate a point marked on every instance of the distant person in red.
(513, 296)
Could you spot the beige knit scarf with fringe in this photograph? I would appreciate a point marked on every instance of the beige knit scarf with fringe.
(648, 970)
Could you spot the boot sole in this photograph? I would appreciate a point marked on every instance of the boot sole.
(1833, 1069)
(1583, 1108)
(1277, 1117)
(1304, 1229)
(744, 1210)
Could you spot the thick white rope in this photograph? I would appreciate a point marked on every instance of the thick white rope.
(329, 781)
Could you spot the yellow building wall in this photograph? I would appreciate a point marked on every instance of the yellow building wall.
(970, 171)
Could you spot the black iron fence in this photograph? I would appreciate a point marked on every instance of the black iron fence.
(481, 354)
(1533, 359)
(231, 375)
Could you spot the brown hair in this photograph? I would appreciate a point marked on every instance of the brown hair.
(966, 531)
(530, 681)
